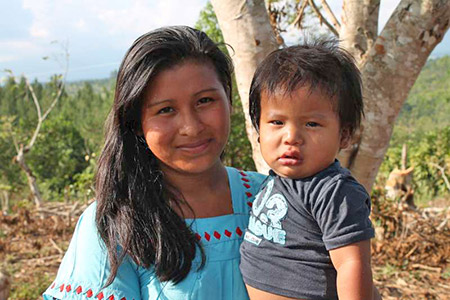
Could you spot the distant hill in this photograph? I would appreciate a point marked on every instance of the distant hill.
(428, 103)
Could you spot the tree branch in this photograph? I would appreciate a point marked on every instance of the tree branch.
(447, 183)
(331, 15)
(61, 88)
(41, 117)
(322, 19)
(300, 13)
(38, 108)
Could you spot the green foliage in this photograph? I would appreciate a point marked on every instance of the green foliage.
(61, 158)
(424, 150)
(32, 290)
(424, 126)
(428, 103)
(58, 154)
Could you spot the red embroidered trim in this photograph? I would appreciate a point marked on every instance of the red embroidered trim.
(89, 293)
(239, 231)
(207, 236)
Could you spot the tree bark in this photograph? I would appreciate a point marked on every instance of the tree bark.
(389, 72)
(390, 63)
(20, 159)
(246, 28)
(359, 27)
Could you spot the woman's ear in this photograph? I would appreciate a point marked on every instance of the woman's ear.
(346, 138)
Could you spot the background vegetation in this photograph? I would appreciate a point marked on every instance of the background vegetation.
(63, 159)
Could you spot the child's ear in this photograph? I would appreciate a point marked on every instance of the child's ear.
(346, 138)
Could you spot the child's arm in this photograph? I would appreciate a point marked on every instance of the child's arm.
(354, 273)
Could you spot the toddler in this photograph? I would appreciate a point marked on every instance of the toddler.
(309, 232)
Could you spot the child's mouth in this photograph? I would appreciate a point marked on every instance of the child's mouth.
(290, 158)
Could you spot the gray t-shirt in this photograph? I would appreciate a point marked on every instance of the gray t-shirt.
(294, 223)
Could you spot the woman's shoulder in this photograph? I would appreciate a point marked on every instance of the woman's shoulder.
(85, 268)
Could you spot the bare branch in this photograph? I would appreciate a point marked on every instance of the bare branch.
(61, 88)
(38, 108)
(331, 15)
(322, 19)
(33, 95)
(300, 13)
(447, 183)
(16, 145)
(41, 117)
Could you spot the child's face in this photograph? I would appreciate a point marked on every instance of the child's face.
(299, 132)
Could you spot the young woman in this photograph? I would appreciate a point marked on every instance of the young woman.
(169, 216)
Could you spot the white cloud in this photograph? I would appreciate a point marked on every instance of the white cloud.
(7, 58)
(40, 10)
(81, 25)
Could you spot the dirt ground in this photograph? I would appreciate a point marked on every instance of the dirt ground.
(411, 251)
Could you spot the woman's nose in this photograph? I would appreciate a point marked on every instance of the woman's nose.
(191, 124)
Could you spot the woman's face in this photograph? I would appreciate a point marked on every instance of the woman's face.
(186, 117)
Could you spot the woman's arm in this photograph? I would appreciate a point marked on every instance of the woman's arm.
(85, 268)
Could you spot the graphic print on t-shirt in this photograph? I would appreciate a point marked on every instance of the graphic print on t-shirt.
(265, 221)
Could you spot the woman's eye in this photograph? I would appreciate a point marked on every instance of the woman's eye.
(165, 110)
(276, 122)
(312, 124)
(205, 100)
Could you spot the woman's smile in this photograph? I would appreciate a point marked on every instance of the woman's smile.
(197, 147)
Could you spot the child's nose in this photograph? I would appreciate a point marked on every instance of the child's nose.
(293, 136)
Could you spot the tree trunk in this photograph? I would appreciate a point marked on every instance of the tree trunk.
(20, 159)
(389, 72)
(389, 63)
(246, 28)
(359, 30)
(359, 27)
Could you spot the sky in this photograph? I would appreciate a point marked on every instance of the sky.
(98, 33)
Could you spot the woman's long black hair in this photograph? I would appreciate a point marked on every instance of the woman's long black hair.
(135, 214)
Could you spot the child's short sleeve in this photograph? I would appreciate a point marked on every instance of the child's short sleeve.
(342, 213)
(85, 268)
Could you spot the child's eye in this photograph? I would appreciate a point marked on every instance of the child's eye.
(276, 122)
(205, 100)
(165, 110)
(312, 124)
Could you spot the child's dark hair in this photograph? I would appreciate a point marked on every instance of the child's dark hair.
(135, 206)
(320, 64)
